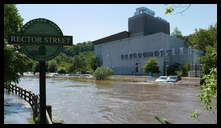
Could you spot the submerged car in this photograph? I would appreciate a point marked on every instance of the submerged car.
(173, 78)
(162, 79)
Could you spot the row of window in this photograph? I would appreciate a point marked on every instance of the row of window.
(162, 52)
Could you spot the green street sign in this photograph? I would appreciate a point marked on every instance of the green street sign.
(40, 39)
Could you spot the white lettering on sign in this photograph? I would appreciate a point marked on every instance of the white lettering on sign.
(23, 39)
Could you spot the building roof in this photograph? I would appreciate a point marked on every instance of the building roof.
(117, 36)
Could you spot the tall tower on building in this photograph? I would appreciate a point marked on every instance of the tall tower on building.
(144, 22)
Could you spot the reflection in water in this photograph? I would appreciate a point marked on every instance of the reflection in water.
(119, 102)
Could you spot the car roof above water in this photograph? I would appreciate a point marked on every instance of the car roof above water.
(163, 77)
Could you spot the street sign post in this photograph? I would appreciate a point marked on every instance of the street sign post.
(41, 40)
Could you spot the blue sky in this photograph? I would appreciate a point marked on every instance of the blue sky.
(88, 22)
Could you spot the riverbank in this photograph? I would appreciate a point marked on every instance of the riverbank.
(185, 81)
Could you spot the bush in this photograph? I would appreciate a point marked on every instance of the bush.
(61, 70)
(209, 89)
(178, 69)
(101, 73)
(151, 66)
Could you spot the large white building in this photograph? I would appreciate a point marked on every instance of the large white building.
(147, 37)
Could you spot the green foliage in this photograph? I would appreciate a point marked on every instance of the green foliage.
(178, 69)
(169, 10)
(15, 63)
(52, 66)
(78, 48)
(209, 89)
(172, 69)
(63, 67)
(12, 19)
(185, 69)
(101, 73)
(194, 115)
(78, 58)
(151, 66)
(202, 38)
(61, 70)
(177, 33)
(179, 73)
(209, 60)
(79, 64)
(179, 9)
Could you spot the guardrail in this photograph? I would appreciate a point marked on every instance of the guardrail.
(32, 99)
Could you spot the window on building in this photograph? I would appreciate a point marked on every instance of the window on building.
(139, 55)
(169, 52)
(190, 51)
(144, 54)
(135, 55)
(149, 54)
(173, 51)
(156, 53)
(185, 51)
(162, 53)
(181, 51)
(126, 56)
(176, 51)
(131, 56)
(122, 57)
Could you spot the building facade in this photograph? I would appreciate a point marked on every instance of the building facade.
(147, 37)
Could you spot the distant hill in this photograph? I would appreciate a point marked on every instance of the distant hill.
(78, 48)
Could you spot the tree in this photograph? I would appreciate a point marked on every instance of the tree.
(91, 61)
(12, 19)
(178, 69)
(78, 64)
(151, 66)
(15, 63)
(209, 60)
(177, 33)
(78, 48)
(52, 66)
(203, 38)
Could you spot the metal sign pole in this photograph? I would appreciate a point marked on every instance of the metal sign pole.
(42, 92)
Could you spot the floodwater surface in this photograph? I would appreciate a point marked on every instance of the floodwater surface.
(120, 102)
(16, 110)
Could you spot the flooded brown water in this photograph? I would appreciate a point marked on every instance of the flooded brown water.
(120, 102)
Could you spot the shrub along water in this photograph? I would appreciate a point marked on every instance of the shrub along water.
(101, 73)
